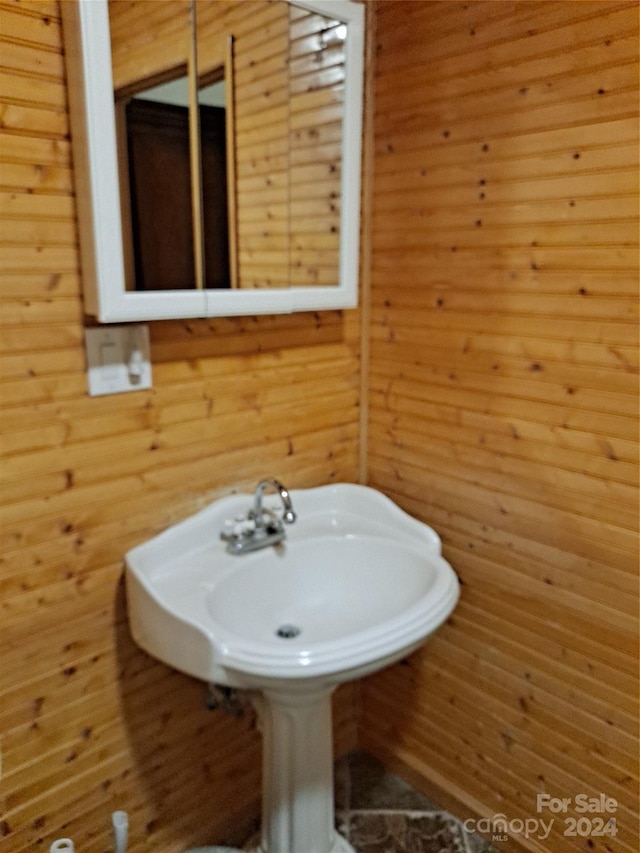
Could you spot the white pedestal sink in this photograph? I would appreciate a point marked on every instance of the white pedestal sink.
(356, 585)
(297, 773)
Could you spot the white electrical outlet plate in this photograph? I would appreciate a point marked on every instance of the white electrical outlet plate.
(117, 359)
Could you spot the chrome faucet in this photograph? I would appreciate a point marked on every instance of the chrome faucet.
(261, 527)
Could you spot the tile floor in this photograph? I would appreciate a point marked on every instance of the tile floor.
(380, 813)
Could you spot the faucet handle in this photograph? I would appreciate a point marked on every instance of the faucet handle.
(237, 528)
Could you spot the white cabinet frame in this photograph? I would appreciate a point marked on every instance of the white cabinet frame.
(86, 32)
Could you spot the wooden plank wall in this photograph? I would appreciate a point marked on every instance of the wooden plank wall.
(89, 722)
(148, 40)
(316, 99)
(289, 100)
(262, 148)
(503, 394)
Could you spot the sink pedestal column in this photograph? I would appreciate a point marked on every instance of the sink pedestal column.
(297, 773)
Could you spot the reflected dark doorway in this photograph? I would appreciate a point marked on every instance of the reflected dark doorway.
(160, 190)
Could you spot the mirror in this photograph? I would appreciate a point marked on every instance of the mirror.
(224, 177)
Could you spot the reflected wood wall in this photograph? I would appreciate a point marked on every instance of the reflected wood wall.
(288, 69)
(91, 724)
(503, 395)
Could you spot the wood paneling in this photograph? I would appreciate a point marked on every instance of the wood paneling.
(90, 723)
(503, 406)
(503, 396)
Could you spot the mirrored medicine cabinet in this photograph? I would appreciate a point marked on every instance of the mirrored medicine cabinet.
(217, 154)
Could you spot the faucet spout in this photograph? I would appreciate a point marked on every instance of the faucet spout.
(258, 513)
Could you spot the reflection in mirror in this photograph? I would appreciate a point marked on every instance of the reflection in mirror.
(151, 93)
(260, 54)
(286, 71)
(316, 103)
(213, 155)
(289, 91)
(158, 165)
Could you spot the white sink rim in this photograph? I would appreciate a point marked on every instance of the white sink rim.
(193, 641)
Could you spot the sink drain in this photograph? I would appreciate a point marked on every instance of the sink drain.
(287, 632)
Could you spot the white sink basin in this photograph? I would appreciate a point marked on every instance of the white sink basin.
(356, 585)
(358, 581)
